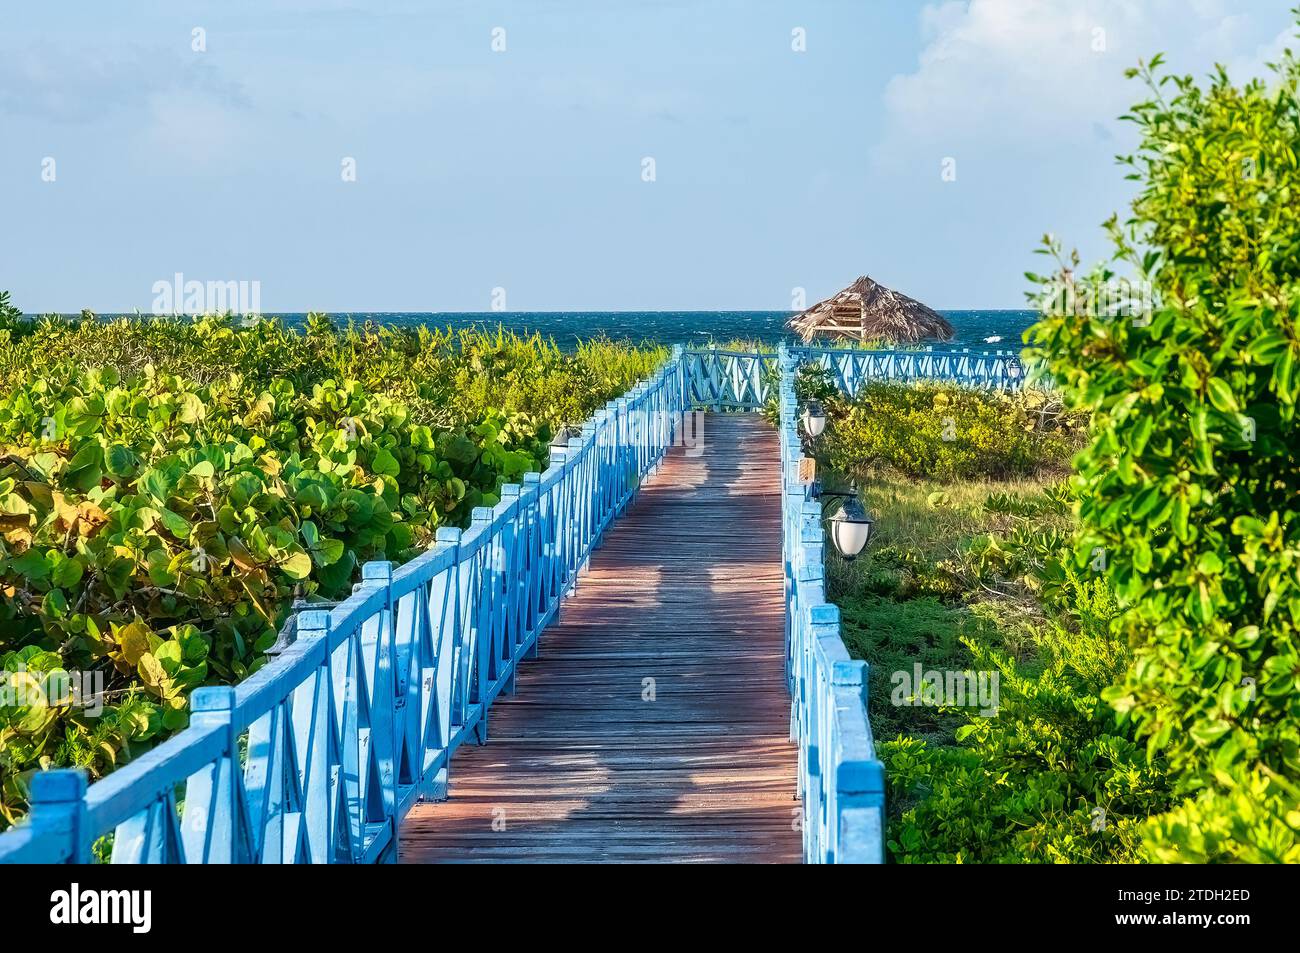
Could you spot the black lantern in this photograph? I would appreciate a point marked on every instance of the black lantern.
(850, 529)
(563, 436)
(814, 418)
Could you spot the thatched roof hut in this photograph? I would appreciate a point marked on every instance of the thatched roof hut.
(866, 311)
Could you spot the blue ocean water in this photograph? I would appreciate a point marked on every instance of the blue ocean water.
(974, 329)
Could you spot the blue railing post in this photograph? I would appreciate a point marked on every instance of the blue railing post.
(380, 633)
(681, 378)
(559, 513)
(58, 814)
(576, 467)
(625, 454)
(859, 824)
(589, 481)
(818, 789)
(214, 829)
(535, 590)
(444, 608)
(513, 540)
(313, 726)
(482, 622)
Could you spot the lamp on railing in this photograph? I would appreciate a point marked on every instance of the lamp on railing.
(563, 436)
(850, 528)
(814, 418)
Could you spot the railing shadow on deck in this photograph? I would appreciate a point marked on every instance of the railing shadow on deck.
(318, 756)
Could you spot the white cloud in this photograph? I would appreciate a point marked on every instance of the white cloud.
(181, 109)
(81, 85)
(1271, 52)
(1048, 73)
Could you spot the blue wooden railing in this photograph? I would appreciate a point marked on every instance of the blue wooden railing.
(852, 367)
(721, 379)
(318, 756)
(724, 379)
(841, 782)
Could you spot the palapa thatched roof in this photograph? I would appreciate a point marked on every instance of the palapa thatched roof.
(867, 311)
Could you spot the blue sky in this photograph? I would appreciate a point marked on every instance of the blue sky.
(475, 169)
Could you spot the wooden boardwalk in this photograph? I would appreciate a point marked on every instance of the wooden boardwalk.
(655, 724)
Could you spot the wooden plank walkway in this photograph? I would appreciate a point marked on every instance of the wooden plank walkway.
(655, 725)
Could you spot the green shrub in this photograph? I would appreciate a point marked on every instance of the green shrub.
(10, 316)
(947, 432)
(1191, 485)
(811, 382)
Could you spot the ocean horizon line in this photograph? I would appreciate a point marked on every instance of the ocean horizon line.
(567, 312)
(972, 327)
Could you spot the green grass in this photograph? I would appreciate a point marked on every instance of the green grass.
(893, 636)
(912, 596)
(923, 529)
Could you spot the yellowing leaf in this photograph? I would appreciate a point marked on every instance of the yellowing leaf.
(134, 641)
(297, 566)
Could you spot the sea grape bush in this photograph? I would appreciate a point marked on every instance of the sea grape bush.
(1051, 778)
(167, 487)
(1191, 482)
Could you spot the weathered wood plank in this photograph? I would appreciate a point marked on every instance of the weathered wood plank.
(590, 762)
